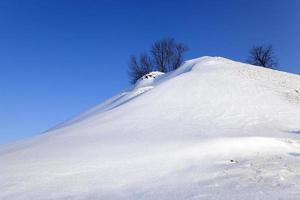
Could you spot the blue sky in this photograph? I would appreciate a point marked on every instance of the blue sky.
(60, 57)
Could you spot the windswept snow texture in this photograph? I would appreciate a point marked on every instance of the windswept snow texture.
(212, 129)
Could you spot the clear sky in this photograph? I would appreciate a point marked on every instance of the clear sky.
(60, 57)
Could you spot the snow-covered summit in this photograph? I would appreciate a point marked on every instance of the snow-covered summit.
(212, 129)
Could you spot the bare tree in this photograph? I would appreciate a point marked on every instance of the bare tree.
(167, 54)
(180, 49)
(137, 69)
(262, 56)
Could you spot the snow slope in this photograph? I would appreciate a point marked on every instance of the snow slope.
(212, 129)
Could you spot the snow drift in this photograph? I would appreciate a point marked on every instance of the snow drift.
(212, 129)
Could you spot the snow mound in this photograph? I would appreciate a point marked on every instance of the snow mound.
(212, 129)
(149, 78)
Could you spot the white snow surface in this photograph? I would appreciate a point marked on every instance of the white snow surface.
(212, 129)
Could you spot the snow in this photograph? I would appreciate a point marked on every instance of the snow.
(212, 129)
(148, 79)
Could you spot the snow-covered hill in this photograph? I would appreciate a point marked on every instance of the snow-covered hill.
(212, 129)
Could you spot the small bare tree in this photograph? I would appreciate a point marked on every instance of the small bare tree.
(262, 56)
(137, 69)
(167, 54)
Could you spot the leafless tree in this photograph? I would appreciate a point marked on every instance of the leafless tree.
(138, 68)
(262, 56)
(167, 54)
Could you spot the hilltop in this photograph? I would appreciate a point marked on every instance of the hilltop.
(212, 129)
